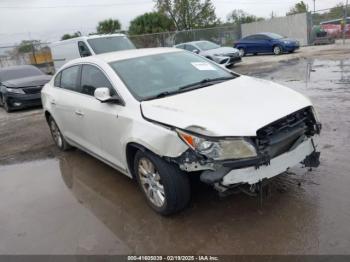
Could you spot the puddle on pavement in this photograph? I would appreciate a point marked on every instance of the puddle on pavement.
(75, 204)
(312, 74)
(78, 205)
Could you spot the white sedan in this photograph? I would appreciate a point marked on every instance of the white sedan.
(160, 115)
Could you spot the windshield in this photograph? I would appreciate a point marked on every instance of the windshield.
(19, 72)
(275, 36)
(205, 45)
(110, 44)
(149, 76)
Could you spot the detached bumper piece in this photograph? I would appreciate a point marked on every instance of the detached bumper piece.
(312, 160)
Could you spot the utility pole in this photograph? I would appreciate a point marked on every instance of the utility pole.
(345, 20)
(314, 6)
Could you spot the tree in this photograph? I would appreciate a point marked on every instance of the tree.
(298, 8)
(238, 17)
(188, 14)
(27, 46)
(69, 36)
(148, 23)
(108, 26)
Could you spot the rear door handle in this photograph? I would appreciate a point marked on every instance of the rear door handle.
(79, 113)
(53, 102)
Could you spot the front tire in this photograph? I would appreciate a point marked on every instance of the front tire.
(57, 136)
(165, 186)
(241, 52)
(277, 50)
(6, 106)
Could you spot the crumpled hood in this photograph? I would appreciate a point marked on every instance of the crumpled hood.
(39, 80)
(220, 51)
(238, 107)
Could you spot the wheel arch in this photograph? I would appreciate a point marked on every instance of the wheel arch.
(279, 45)
(130, 152)
(47, 115)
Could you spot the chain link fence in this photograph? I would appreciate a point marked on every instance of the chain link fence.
(324, 26)
(37, 54)
(329, 25)
(225, 36)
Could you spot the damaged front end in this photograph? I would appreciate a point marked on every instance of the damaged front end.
(277, 146)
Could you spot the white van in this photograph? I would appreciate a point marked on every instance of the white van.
(66, 50)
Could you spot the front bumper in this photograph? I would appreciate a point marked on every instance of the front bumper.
(228, 60)
(289, 48)
(19, 101)
(253, 174)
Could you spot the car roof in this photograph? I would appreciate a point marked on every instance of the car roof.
(79, 38)
(193, 42)
(18, 67)
(125, 54)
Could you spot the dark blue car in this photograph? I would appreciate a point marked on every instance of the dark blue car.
(266, 43)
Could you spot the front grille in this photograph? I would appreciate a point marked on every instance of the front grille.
(279, 136)
(32, 90)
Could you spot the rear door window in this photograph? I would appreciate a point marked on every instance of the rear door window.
(92, 78)
(70, 77)
(251, 37)
(260, 37)
(190, 47)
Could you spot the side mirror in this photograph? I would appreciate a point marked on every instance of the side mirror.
(85, 53)
(103, 95)
(196, 51)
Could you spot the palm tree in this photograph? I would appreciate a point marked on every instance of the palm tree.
(108, 26)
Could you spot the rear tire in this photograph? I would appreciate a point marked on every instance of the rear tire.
(165, 186)
(57, 136)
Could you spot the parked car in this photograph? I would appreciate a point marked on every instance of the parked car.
(266, 43)
(66, 50)
(160, 115)
(20, 86)
(226, 56)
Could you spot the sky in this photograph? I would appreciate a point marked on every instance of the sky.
(48, 20)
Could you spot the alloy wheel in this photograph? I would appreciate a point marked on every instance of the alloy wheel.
(151, 182)
(277, 50)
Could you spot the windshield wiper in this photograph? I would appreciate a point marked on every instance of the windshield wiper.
(160, 95)
(205, 82)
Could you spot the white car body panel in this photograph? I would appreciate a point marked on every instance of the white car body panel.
(233, 108)
(228, 108)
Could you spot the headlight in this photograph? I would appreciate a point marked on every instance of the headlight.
(15, 90)
(287, 42)
(233, 148)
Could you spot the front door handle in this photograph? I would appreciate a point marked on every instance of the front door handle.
(79, 113)
(53, 102)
